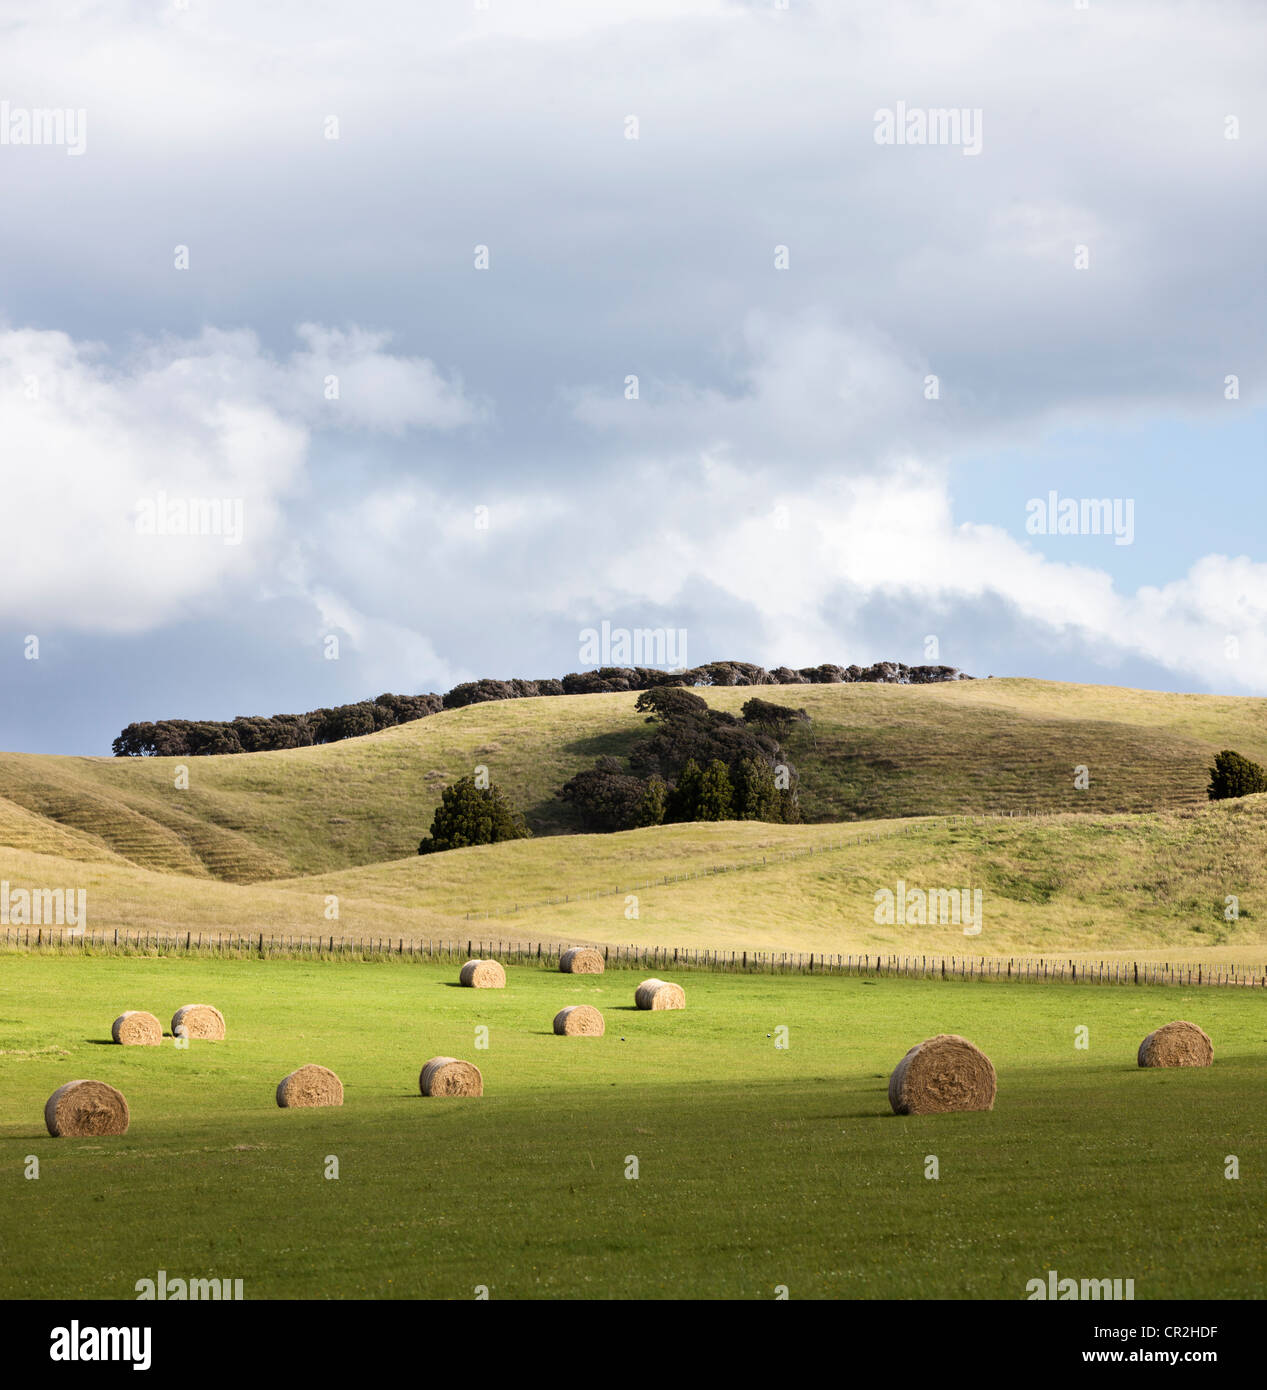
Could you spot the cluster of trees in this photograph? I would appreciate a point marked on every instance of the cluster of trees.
(1233, 775)
(194, 738)
(470, 814)
(188, 738)
(698, 764)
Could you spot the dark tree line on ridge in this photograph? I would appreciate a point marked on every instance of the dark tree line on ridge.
(193, 738)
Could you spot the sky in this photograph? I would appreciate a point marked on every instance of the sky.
(484, 324)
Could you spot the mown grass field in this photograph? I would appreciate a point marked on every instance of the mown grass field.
(758, 1167)
(871, 752)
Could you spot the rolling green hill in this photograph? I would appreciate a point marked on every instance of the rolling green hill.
(1139, 862)
(871, 752)
(1062, 885)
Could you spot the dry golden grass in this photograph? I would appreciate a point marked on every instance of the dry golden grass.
(871, 751)
(280, 842)
(1147, 887)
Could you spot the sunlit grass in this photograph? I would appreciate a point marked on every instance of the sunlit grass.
(758, 1167)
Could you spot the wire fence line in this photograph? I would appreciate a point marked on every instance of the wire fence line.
(545, 954)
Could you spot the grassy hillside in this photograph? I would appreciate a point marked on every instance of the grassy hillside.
(1011, 746)
(255, 816)
(1138, 884)
(1071, 883)
(872, 751)
(758, 1166)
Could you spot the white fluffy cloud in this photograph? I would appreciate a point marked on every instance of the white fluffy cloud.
(806, 392)
(697, 504)
(103, 458)
(800, 567)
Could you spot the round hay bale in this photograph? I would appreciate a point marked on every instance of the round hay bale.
(582, 960)
(136, 1028)
(201, 1021)
(579, 1021)
(1178, 1044)
(659, 994)
(86, 1108)
(483, 974)
(945, 1073)
(446, 1076)
(310, 1085)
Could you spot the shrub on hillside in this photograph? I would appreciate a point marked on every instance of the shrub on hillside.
(716, 793)
(1233, 775)
(472, 815)
(670, 701)
(609, 798)
(776, 720)
(756, 794)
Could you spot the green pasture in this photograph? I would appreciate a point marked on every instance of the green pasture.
(758, 1166)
